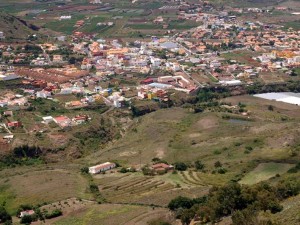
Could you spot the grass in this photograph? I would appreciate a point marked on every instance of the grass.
(182, 25)
(244, 57)
(41, 186)
(290, 213)
(293, 24)
(130, 188)
(144, 26)
(265, 171)
(170, 132)
(174, 134)
(91, 24)
(64, 26)
(112, 214)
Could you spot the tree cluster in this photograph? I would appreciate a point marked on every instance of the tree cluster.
(236, 200)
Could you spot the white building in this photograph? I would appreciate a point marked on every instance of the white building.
(26, 213)
(65, 17)
(47, 119)
(43, 94)
(155, 62)
(230, 82)
(101, 167)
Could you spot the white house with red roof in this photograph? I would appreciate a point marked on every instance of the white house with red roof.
(26, 213)
(101, 167)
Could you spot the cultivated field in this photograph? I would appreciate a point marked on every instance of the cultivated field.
(265, 171)
(40, 186)
(250, 148)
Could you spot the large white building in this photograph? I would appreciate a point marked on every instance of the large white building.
(101, 167)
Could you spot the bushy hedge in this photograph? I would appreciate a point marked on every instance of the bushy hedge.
(53, 214)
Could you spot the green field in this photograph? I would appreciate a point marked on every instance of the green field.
(294, 24)
(37, 187)
(265, 171)
(250, 149)
(112, 214)
(64, 26)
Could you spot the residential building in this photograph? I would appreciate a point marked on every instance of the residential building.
(101, 167)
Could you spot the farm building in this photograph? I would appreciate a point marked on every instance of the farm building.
(26, 213)
(14, 124)
(101, 167)
(62, 121)
(162, 167)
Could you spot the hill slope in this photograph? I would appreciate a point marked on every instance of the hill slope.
(14, 27)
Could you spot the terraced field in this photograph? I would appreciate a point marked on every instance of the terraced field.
(191, 178)
(130, 188)
(138, 189)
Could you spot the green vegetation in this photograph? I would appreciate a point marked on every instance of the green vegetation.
(293, 24)
(53, 214)
(65, 26)
(22, 155)
(234, 199)
(4, 216)
(265, 171)
(45, 106)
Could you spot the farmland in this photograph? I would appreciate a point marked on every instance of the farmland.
(30, 187)
(94, 90)
(251, 149)
(181, 135)
(46, 15)
(264, 172)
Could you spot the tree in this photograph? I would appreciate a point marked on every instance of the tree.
(180, 166)
(72, 60)
(123, 170)
(53, 214)
(147, 171)
(218, 70)
(218, 164)
(93, 69)
(180, 202)
(199, 165)
(84, 170)
(27, 219)
(198, 108)
(187, 216)
(293, 73)
(245, 217)
(270, 108)
(4, 216)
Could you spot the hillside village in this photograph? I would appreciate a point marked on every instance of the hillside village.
(154, 128)
(224, 51)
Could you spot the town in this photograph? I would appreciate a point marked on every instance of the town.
(147, 112)
(223, 51)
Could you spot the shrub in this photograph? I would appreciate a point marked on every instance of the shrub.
(53, 214)
(180, 202)
(199, 165)
(222, 170)
(4, 216)
(218, 164)
(123, 170)
(84, 170)
(26, 219)
(180, 166)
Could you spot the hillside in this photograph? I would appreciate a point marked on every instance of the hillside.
(15, 28)
(261, 146)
